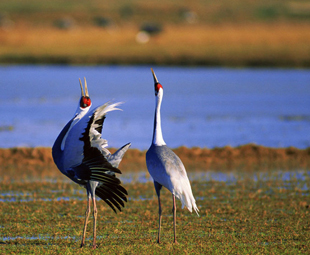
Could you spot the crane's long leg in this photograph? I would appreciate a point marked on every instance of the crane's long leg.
(86, 221)
(95, 221)
(159, 221)
(157, 189)
(174, 210)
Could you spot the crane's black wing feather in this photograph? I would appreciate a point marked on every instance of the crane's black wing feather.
(96, 167)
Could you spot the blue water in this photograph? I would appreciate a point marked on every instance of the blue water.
(295, 181)
(205, 107)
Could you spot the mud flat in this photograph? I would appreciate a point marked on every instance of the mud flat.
(38, 162)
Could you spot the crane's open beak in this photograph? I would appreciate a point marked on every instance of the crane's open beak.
(154, 76)
(86, 89)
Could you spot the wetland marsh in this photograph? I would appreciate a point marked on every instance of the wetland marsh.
(252, 199)
(240, 212)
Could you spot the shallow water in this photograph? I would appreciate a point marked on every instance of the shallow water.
(297, 181)
(205, 107)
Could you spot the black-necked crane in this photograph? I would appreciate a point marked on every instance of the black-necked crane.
(81, 154)
(166, 168)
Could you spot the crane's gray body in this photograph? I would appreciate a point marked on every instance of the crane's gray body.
(167, 169)
(164, 165)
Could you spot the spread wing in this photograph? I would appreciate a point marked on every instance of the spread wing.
(94, 165)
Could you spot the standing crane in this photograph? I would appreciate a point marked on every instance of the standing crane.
(166, 168)
(81, 154)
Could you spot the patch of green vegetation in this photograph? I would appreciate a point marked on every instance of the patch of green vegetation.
(169, 11)
(267, 13)
(267, 215)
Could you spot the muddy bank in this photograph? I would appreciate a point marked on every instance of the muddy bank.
(38, 162)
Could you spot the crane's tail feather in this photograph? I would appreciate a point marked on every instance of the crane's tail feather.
(186, 197)
(189, 203)
(116, 158)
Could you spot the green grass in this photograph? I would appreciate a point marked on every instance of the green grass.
(169, 11)
(240, 217)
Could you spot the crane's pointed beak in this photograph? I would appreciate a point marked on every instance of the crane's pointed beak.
(82, 91)
(154, 76)
(86, 89)
(85, 101)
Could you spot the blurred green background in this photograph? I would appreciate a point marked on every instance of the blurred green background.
(35, 12)
(229, 33)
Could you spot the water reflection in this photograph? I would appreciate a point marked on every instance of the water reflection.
(47, 237)
(233, 177)
(39, 237)
(140, 177)
(288, 180)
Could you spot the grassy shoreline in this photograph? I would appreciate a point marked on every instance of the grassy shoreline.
(38, 163)
(251, 45)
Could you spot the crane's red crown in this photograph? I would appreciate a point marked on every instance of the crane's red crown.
(157, 87)
(85, 102)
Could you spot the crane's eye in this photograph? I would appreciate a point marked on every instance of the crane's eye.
(85, 102)
(157, 87)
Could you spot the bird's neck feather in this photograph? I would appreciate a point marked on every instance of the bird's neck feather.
(56, 150)
(157, 134)
(80, 113)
